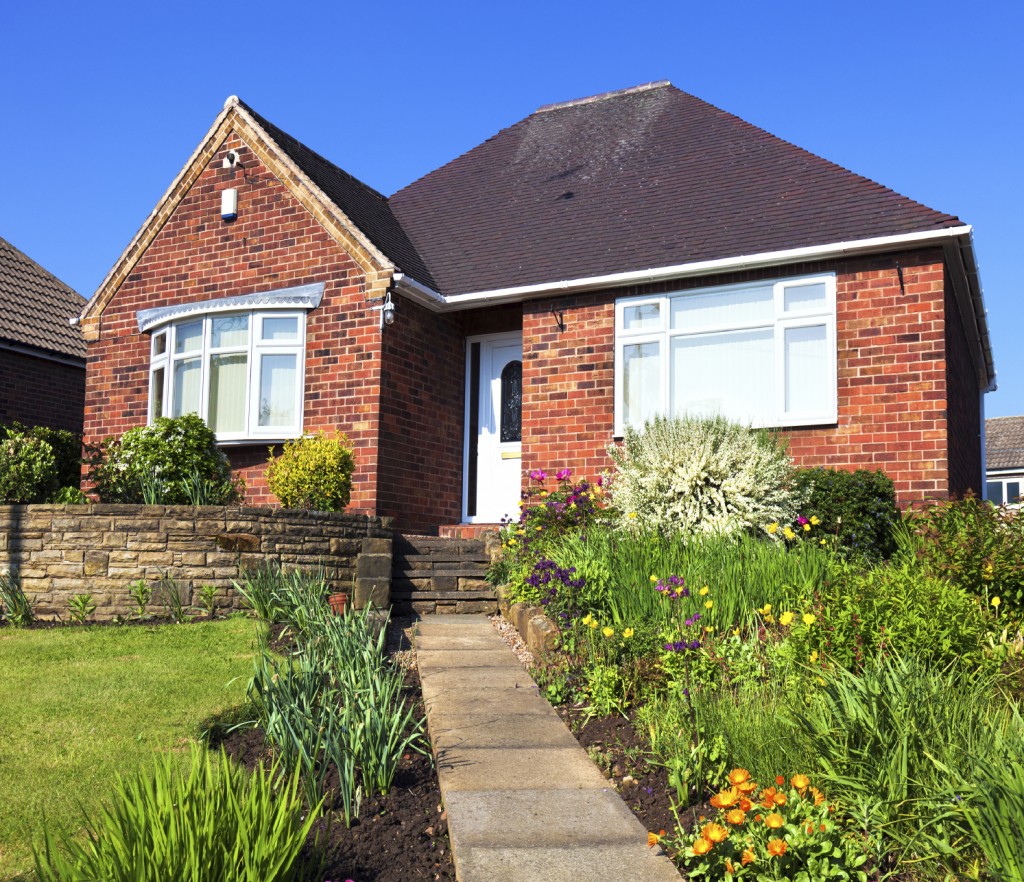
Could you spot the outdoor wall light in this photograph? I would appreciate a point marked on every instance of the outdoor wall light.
(387, 311)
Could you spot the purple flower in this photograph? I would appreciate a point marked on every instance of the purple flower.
(802, 520)
(538, 475)
(564, 474)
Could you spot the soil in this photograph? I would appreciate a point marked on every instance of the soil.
(399, 837)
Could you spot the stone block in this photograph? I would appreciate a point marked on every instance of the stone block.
(373, 591)
(147, 542)
(488, 607)
(96, 563)
(193, 558)
(541, 635)
(73, 555)
(376, 546)
(114, 540)
(469, 584)
(374, 566)
(342, 547)
(63, 569)
(444, 583)
(424, 607)
(238, 542)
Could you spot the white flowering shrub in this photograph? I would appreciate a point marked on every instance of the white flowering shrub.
(701, 475)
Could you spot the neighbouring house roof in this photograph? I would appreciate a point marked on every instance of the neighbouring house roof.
(1004, 443)
(646, 177)
(368, 209)
(36, 306)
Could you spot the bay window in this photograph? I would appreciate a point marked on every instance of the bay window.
(240, 371)
(759, 353)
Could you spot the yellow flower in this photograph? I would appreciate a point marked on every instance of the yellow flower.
(821, 541)
(815, 520)
(735, 632)
(810, 618)
(654, 578)
(715, 833)
(770, 619)
(708, 604)
(632, 514)
(774, 821)
(592, 623)
(704, 591)
(708, 629)
(701, 846)
(539, 529)
(512, 543)
(800, 782)
(738, 776)
(807, 528)
(764, 610)
(813, 657)
(587, 619)
(773, 529)
(627, 633)
(736, 817)
(543, 493)
(788, 533)
(995, 602)
(786, 619)
(608, 632)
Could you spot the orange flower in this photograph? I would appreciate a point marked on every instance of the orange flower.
(745, 804)
(777, 847)
(747, 787)
(780, 780)
(715, 833)
(758, 817)
(747, 857)
(780, 798)
(810, 829)
(726, 798)
(701, 846)
(819, 797)
(800, 782)
(654, 838)
(768, 797)
(729, 868)
(738, 776)
(822, 828)
(774, 821)
(736, 816)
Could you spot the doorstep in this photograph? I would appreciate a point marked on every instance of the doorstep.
(466, 531)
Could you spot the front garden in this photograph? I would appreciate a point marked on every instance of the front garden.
(825, 688)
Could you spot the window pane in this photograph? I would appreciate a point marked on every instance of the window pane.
(156, 392)
(160, 343)
(189, 337)
(227, 392)
(1013, 492)
(994, 492)
(280, 329)
(723, 308)
(231, 330)
(807, 370)
(641, 383)
(804, 298)
(187, 390)
(642, 318)
(277, 390)
(512, 401)
(730, 374)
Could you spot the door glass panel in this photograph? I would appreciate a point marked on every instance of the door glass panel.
(230, 330)
(227, 392)
(187, 390)
(512, 401)
(277, 390)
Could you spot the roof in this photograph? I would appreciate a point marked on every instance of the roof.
(646, 177)
(35, 306)
(368, 209)
(1004, 443)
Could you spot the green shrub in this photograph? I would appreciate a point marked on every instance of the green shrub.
(215, 823)
(162, 464)
(976, 545)
(26, 468)
(34, 483)
(890, 609)
(858, 508)
(313, 472)
(691, 476)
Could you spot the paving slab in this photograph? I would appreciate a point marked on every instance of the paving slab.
(524, 801)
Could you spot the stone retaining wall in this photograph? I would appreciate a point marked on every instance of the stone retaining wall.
(61, 550)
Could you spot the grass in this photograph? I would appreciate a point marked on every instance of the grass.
(80, 705)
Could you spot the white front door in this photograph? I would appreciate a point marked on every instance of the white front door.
(498, 388)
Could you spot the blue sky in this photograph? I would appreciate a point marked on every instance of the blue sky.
(103, 103)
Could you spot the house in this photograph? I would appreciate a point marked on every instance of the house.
(42, 355)
(600, 261)
(1004, 459)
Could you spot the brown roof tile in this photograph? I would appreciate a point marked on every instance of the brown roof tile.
(35, 306)
(1004, 443)
(648, 177)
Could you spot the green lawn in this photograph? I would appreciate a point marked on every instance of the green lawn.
(79, 705)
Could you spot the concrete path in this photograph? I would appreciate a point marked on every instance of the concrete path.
(524, 801)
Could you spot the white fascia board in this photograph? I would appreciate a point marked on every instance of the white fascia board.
(409, 287)
(702, 268)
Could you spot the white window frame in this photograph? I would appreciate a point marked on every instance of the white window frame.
(1004, 479)
(781, 321)
(254, 349)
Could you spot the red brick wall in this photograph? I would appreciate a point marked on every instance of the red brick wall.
(421, 432)
(892, 382)
(275, 243)
(40, 392)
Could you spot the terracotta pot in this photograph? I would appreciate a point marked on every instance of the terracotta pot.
(338, 602)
